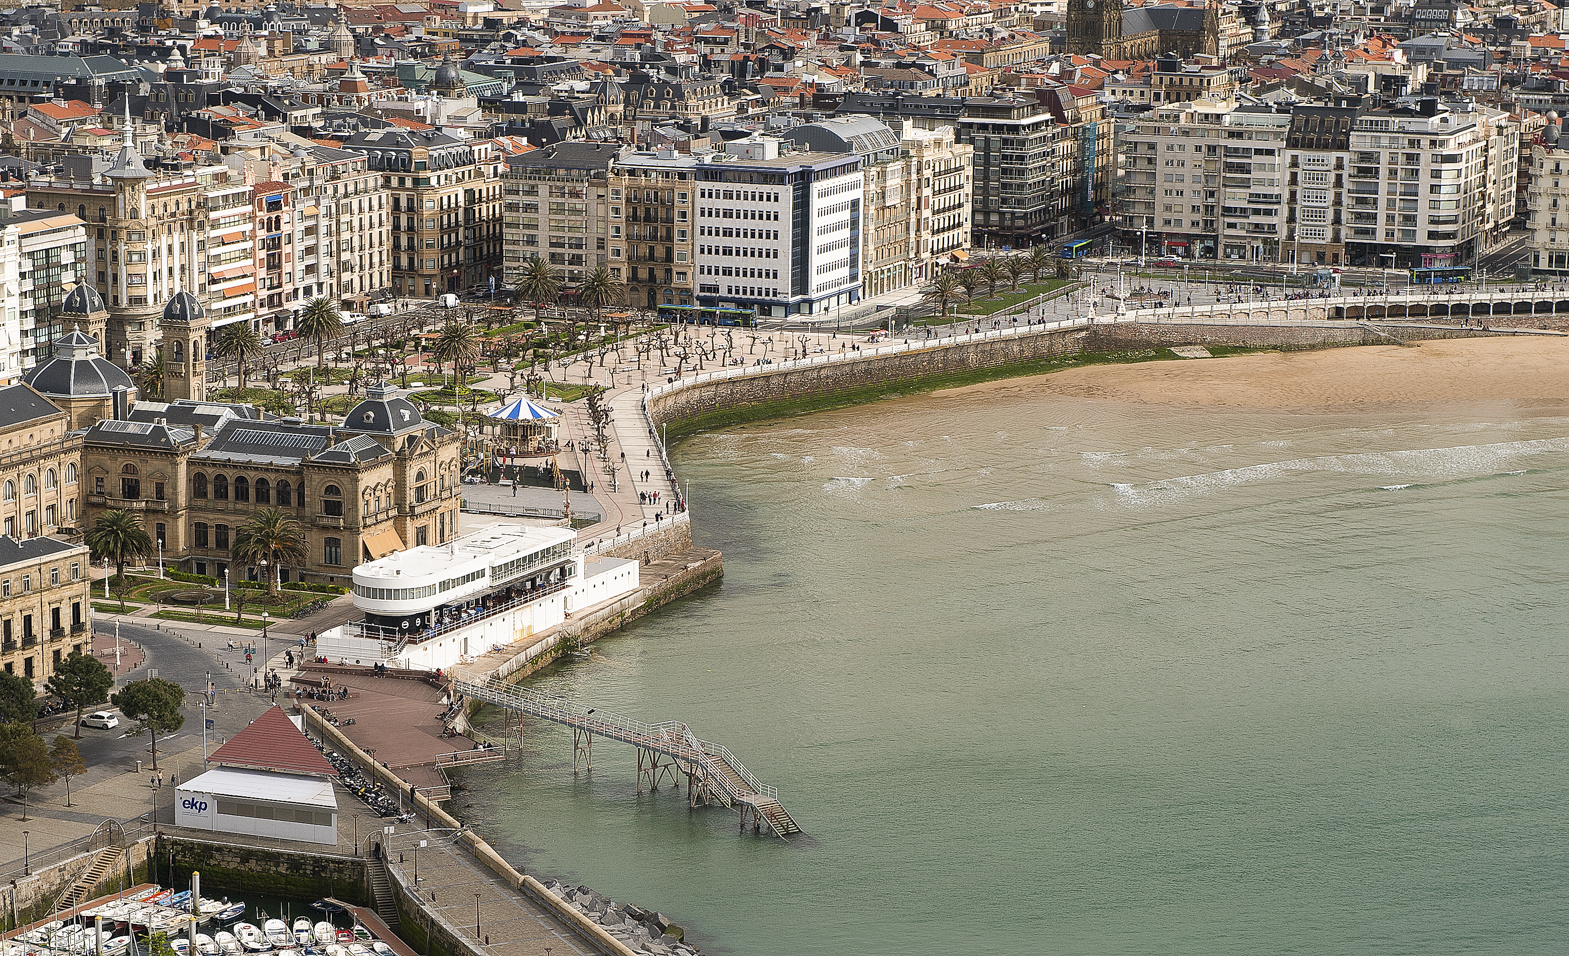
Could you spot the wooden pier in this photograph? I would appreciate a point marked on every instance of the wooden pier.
(713, 774)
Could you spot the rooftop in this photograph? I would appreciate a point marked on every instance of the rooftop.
(497, 544)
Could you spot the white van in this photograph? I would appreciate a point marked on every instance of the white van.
(449, 300)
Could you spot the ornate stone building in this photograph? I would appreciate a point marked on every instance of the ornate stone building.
(1115, 31)
(384, 480)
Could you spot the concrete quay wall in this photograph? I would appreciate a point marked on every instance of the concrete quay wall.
(31, 897)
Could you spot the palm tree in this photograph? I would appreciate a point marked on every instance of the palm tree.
(120, 536)
(970, 281)
(992, 271)
(320, 321)
(149, 375)
(240, 342)
(599, 289)
(1039, 259)
(943, 290)
(459, 344)
(270, 536)
(539, 284)
(1016, 267)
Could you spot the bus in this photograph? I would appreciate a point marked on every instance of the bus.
(707, 315)
(1440, 275)
(1077, 250)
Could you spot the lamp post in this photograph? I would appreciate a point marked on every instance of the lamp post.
(265, 618)
(27, 861)
(476, 916)
(204, 734)
(226, 587)
(106, 579)
(160, 559)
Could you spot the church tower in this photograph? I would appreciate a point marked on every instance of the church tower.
(83, 308)
(184, 327)
(1095, 27)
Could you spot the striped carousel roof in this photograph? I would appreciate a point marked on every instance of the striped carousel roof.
(522, 410)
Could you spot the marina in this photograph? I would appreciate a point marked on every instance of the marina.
(126, 924)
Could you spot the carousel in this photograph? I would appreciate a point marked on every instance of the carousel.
(524, 430)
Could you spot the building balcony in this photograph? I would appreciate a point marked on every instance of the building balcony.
(80, 627)
(327, 521)
(57, 633)
(29, 640)
(128, 504)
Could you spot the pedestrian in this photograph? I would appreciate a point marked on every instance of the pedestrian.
(514, 489)
(160, 780)
(153, 781)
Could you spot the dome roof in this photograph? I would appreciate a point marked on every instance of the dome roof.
(448, 76)
(383, 412)
(77, 370)
(184, 308)
(82, 300)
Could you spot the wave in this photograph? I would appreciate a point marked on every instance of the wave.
(1023, 504)
(1423, 465)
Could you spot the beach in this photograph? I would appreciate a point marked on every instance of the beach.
(1526, 369)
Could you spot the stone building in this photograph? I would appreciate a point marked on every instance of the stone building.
(1116, 31)
(383, 480)
(44, 593)
(40, 463)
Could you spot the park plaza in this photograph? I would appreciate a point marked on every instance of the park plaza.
(434, 606)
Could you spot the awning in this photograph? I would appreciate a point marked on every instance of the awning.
(309, 211)
(229, 237)
(960, 254)
(244, 288)
(220, 323)
(382, 543)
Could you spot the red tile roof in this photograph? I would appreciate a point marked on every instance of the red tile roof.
(272, 742)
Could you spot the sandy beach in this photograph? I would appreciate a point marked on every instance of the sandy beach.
(1528, 370)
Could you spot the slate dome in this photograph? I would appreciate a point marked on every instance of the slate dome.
(77, 370)
(82, 300)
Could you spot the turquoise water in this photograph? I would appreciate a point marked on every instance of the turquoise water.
(1051, 675)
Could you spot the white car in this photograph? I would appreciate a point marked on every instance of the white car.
(103, 720)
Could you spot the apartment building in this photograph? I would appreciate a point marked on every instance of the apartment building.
(1421, 183)
(651, 226)
(147, 237)
(557, 207)
(779, 235)
(1547, 202)
(43, 256)
(446, 223)
(44, 597)
(231, 252)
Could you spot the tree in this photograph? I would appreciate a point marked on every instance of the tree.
(992, 271)
(1039, 259)
(598, 290)
(271, 536)
(320, 321)
(1017, 268)
(24, 760)
(81, 680)
(240, 342)
(18, 700)
(970, 281)
(458, 343)
(119, 535)
(539, 284)
(943, 290)
(67, 761)
(158, 945)
(154, 705)
(149, 375)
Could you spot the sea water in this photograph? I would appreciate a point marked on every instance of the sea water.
(1052, 675)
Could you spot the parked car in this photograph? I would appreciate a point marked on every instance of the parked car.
(102, 719)
(1167, 262)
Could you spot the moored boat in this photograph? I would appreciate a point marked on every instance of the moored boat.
(227, 944)
(325, 933)
(302, 930)
(277, 933)
(230, 911)
(206, 945)
(252, 938)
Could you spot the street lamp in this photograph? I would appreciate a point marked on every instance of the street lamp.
(265, 617)
(27, 862)
(204, 734)
(226, 587)
(106, 579)
(160, 559)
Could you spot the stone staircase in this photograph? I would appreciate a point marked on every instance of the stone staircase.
(381, 892)
(81, 891)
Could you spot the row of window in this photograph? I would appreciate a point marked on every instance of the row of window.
(267, 811)
(54, 579)
(30, 483)
(263, 490)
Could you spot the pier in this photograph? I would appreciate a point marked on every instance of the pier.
(713, 774)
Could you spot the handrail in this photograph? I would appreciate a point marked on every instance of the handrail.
(412, 637)
(672, 737)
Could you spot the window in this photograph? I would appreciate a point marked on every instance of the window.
(27, 583)
(98, 489)
(242, 489)
(198, 485)
(283, 493)
(200, 533)
(157, 491)
(9, 491)
(54, 575)
(220, 487)
(160, 534)
(221, 537)
(419, 488)
(76, 571)
(332, 551)
(332, 501)
(70, 473)
(51, 480)
(421, 535)
(130, 484)
(29, 486)
(5, 591)
(263, 491)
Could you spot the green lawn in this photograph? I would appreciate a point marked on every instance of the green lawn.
(210, 617)
(445, 396)
(565, 393)
(113, 607)
(986, 305)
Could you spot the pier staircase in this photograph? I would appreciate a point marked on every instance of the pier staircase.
(713, 772)
(381, 892)
(80, 891)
